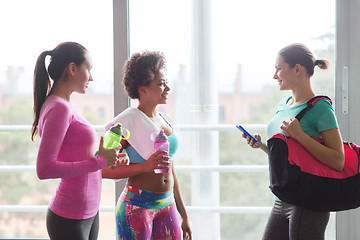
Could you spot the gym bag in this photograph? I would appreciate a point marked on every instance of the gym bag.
(296, 177)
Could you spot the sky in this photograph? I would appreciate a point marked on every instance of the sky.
(241, 32)
(30, 27)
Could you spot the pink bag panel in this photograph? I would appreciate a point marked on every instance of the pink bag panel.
(299, 156)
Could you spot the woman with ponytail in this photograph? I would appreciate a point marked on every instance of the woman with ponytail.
(294, 67)
(68, 143)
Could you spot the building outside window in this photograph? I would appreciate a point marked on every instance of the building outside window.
(220, 57)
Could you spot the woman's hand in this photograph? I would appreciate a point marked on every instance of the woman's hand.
(254, 144)
(293, 128)
(120, 161)
(185, 226)
(251, 142)
(109, 154)
(158, 160)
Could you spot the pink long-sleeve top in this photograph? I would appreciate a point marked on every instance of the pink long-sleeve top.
(66, 151)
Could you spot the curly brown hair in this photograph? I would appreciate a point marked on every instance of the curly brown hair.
(140, 69)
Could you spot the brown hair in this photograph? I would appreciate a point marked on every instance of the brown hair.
(61, 56)
(140, 69)
(298, 53)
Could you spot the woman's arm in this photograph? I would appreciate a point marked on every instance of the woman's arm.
(149, 165)
(181, 208)
(258, 144)
(331, 153)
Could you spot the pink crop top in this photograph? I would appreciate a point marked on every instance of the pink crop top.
(66, 151)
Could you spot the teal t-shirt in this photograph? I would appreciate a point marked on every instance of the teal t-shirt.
(319, 118)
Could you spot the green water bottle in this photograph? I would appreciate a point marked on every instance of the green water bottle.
(113, 137)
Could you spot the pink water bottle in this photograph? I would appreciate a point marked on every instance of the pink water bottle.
(161, 143)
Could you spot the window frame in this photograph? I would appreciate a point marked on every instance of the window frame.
(347, 57)
(347, 37)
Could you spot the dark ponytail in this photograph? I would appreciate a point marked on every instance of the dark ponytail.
(61, 56)
(300, 54)
(41, 88)
(322, 64)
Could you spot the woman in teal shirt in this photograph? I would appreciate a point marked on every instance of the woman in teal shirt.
(294, 67)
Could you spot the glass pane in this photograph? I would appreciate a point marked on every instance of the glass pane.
(244, 58)
(221, 56)
(245, 53)
(28, 28)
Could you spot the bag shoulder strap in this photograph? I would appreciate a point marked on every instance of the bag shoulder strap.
(310, 104)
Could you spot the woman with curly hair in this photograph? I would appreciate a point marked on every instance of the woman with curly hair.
(149, 204)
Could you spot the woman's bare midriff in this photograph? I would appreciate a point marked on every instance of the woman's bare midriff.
(152, 182)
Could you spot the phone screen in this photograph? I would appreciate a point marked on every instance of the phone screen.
(246, 132)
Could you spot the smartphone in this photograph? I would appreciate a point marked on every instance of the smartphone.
(246, 132)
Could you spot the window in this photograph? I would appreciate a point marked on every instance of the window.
(28, 28)
(221, 57)
(347, 58)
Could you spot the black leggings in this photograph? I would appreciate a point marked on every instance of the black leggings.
(289, 222)
(60, 228)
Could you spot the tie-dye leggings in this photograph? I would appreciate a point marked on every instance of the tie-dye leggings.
(145, 215)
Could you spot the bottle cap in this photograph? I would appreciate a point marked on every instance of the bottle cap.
(161, 136)
(116, 129)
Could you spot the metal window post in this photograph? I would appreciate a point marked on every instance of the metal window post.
(204, 96)
(347, 85)
(121, 53)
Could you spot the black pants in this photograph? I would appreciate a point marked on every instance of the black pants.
(60, 228)
(289, 222)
